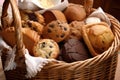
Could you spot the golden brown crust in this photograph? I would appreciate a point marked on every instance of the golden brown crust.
(36, 26)
(28, 15)
(98, 37)
(75, 30)
(56, 30)
(75, 12)
(52, 15)
(46, 48)
(29, 37)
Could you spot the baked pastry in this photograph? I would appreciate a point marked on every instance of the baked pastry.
(30, 15)
(74, 50)
(36, 26)
(75, 12)
(29, 37)
(51, 15)
(46, 48)
(75, 30)
(56, 30)
(98, 37)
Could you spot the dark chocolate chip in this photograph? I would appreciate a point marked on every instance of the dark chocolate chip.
(62, 35)
(57, 35)
(51, 25)
(51, 46)
(65, 28)
(49, 31)
(32, 16)
(50, 53)
(43, 45)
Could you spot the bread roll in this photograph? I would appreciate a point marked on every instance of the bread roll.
(98, 37)
(75, 12)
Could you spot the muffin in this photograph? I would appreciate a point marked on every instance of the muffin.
(98, 37)
(51, 15)
(74, 50)
(75, 30)
(56, 30)
(46, 48)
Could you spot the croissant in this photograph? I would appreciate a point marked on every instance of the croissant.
(29, 37)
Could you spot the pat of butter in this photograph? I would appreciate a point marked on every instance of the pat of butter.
(46, 3)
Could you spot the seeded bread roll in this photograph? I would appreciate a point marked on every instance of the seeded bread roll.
(46, 48)
(56, 30)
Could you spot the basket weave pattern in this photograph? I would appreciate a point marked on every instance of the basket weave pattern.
(101, 67)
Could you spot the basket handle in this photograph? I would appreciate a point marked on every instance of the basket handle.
(88, 5)
(17, 25)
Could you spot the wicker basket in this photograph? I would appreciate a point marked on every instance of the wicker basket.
(101, 67)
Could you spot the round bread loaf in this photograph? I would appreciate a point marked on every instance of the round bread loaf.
(75, 12)
(29, 37)
(46, 48)
(51, 15)
(56, 30)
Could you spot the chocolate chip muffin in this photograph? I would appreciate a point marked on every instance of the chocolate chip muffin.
(56, 30)
(75, 30)
(46, 48)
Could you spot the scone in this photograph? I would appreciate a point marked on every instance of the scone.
(56, 30)
(36, 26)
(46, 48)
(51, 15)
(75, 30)
(29, 37)
(98, 37)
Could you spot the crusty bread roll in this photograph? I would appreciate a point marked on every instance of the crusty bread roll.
(29, 37)
(98, 37)
(51, 15)
(75, 12)
(46, 48)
